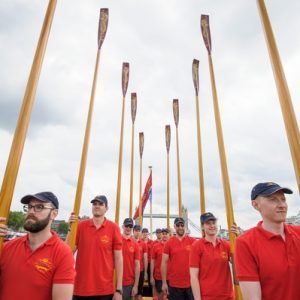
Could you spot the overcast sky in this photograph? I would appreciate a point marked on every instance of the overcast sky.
(159, 39)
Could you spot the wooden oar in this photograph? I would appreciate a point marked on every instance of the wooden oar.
(225, 177)
(133, 115)
(168, 142)
(141, 146)
(287, 109)
(125, 78)
(103, 22)
(195, 69)
(150, 200)
(176, 120)
(16, 150)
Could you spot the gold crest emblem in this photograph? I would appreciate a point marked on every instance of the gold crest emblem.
(43, 265)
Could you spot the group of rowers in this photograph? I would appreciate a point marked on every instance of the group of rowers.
(109, 263)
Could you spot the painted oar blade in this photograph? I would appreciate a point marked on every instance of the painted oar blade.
(168, 137)
(141, 142)
(176, 111)
(125, 78)
(103, 22)
(196, 75)
(133, 106)
(206, 32)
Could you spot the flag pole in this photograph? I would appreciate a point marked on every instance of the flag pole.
(288, 113)
(125, 78)
(151, 227)
(133, 115)
(168, 141)
(176, 119)
(16, 150)
(103, 22)
(225, 177)
(141, 144)
(195, 69)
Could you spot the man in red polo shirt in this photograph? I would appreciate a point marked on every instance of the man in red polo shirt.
(149, 243)
(143, 260)
(209, 263)
(176, 257)
(158, 233)
(157, 251)
(39, 265)
(99, 252)
(267, 257)
(131, 261)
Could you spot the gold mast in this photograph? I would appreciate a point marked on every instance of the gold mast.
(133, 115)
(125, 78)
(225, 177)
(288, 113)
(176, 120)
(195, 70)
(103, 22)
(16, 150)
(141, 144)
(168, 142)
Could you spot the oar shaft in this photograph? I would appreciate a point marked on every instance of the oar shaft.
(140, 198)
(168, 191)
(80, 182)
(13, 163)
(178, 175)
(131, 172)
(289, 117)
(200, 161)
(117, 213)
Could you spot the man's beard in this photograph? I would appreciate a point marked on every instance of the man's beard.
(36, 226)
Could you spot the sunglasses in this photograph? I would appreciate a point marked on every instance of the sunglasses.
(128, 226)
(180, 225)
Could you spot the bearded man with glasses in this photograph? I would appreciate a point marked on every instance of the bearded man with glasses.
(38, 265)
(175, 260)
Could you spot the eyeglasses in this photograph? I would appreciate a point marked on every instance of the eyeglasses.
(180, 225)
(36, 208)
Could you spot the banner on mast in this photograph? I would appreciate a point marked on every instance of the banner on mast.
(146, 195)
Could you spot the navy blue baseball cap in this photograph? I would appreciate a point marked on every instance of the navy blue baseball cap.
(178, 220)
(100, 198)
(137, 227)
(165, 230)
(43, 196)
(267, 189)
(128, 222)
(207, 217)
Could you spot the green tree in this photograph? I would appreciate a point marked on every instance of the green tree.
(16, 220)
(62, 228)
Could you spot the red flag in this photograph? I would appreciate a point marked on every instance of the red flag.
(146, 196)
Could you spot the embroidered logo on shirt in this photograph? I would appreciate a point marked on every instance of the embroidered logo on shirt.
(131, 249)
(224, 255)
(43, 265)
(188, 247)
(104, 239)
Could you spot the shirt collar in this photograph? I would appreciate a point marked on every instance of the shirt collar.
(269, 235)
(91, 223)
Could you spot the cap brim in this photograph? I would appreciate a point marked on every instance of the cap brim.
(96, 200)
(273, 190)
(210, 219)
(26, 199)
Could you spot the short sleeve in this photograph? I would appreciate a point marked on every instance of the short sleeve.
(65, 272)
(136, 252)
(167, 248)
(195, 255)
(117, 239)
(245, 264)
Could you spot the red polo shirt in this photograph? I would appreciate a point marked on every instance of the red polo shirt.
(157, 252)
(27, 274)
(214, 271)
(149, 244)
(95, 257)
(265, 257)
(131, 252)
(143, 249)
(179, 252)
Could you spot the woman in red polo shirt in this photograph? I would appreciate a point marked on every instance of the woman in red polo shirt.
(209, 263)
